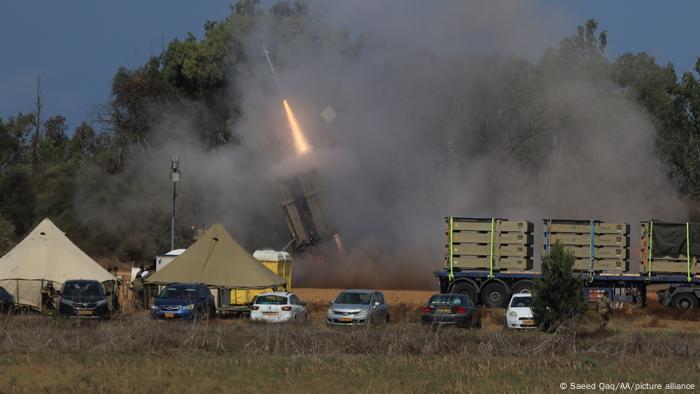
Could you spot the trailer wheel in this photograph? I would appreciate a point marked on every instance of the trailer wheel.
(465, 288)
(684, 301)
(523, 286)
(493, 295)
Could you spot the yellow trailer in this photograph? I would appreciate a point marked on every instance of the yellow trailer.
(278, 262)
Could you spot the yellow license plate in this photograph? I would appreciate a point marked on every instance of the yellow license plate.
(85, 312)
(444, 310)
(169, 315)
(345, 319)
(528, 323)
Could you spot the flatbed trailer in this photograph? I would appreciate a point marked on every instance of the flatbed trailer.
(493, 289)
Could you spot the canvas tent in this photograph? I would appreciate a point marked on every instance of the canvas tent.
(46, 254)
(217, 260)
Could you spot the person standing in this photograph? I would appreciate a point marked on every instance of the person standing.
(604, 309)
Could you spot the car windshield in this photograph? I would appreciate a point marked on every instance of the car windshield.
(448, 299)
(354, 298)
(182, 293)
(271, 300)
(75, 290)
(521, 302)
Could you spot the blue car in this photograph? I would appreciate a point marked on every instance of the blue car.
(188, 301)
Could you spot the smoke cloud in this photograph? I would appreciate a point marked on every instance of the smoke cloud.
(444, 109)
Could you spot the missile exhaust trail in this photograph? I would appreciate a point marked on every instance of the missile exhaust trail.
(272, 68)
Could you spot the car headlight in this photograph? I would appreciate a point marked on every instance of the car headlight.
(362, 313)
(154, 307)
(188, 307)
(513, 314)
(102, 302)
(329, 312)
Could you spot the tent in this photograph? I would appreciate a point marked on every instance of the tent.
(45, 255)
(217, 260)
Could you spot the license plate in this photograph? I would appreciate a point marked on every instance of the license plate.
(345, 319)
(528, 323)
(444, 309)
(269, 313)
(169, 315)
(85, 313)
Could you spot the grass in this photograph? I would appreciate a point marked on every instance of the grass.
(133, 353)
(223, 372)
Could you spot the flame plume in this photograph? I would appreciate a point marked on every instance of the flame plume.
(302, 146)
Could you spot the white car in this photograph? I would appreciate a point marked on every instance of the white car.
(278, 307)
(519, 313)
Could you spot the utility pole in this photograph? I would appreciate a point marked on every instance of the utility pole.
(175, 177)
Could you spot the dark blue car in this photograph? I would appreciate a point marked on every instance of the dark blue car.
(184, 301)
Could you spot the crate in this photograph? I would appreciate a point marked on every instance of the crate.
(670, 265)
(485, 250)
(500, 263)
(603, 252)
(664, 264)
(600, 265)
(511, 238)
(584, 227)
(500, 225)
(619, 240)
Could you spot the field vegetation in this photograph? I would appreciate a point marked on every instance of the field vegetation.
(132, 353)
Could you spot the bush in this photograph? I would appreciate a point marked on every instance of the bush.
(558, 297)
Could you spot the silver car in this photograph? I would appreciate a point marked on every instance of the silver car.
(358, 307)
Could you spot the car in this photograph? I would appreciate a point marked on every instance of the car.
(358, 307)
(83, 299)
(278, 307)
(451, 309)
(6, 301)
(519, 312)
(189, 301)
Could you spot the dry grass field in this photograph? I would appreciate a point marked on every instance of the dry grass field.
(132, 353)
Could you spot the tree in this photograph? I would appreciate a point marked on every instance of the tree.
(17, 199)
(558, 297)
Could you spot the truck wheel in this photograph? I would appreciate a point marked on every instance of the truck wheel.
(684, 301)
(523, 286)
(493, 295)
(465, 288)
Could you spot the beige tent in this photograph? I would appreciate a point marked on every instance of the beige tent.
(46, 254)
(217, 260)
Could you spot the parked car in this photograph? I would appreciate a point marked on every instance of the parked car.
(83, 299)
(6, 301)
(276, 306)
(519, 312)
(358, 307)
(184, 301)
(451, 309)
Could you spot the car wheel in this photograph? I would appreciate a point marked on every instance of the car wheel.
(684, 301)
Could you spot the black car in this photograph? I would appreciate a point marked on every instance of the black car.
(83, 299)
(6, 301)
(452, 309)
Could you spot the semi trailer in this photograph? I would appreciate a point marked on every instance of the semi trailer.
(491, 259)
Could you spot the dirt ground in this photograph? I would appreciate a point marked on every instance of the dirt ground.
(409, 297)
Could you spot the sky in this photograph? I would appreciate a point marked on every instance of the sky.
(76, 46)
